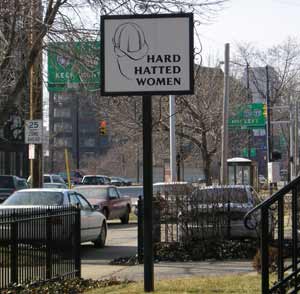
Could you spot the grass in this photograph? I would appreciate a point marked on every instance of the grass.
(233, 284)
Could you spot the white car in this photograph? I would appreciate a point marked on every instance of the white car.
(93, 223)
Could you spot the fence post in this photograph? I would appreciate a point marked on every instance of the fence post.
(77, 241)
(14, 249)
(228, 219)
(48, 244)
(140, 230)
(264, 251)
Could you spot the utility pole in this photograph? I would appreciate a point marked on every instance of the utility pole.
(77, 133)
(35, 92)
(225, 117)
(172, 138)
(292, 159)
(249, 98)
(268, 135)
(296, 149)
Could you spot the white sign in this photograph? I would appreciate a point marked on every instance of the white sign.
(34, 131)
(31, 151)
(147, 54)
(273, 172)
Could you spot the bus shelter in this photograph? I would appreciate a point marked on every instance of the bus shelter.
(242, 171)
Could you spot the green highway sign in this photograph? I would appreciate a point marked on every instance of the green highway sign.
(249, 116)
(73, 64)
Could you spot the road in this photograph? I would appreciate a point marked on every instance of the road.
(121, 242)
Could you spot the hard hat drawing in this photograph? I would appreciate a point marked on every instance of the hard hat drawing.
(129, 42)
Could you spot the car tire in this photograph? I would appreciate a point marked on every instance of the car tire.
(100, 241)
(125, 218)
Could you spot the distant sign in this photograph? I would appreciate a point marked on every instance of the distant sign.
(147, 54)
(248, 116)
(34, 131)
(71, 64)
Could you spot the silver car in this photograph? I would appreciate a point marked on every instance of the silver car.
(219, 211)
(93, 223)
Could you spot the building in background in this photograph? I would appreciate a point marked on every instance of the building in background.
(256, 82)
(74, 124)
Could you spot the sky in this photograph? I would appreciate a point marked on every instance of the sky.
(263, 23)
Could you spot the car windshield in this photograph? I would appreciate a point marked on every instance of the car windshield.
(92, 193)
(215, 195)
(47, 179)
(6, 182)
(92, 180)
(35, 198)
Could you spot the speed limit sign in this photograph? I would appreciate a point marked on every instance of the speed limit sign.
(34, 131)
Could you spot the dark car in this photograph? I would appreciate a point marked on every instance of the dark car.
(108, 200)
(9, 184)
(117, 181)
(219, 210)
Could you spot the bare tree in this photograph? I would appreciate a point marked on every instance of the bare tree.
(283, 61)
(22, 31)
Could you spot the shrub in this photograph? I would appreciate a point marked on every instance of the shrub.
(273, 255)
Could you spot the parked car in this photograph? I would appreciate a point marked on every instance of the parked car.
(49, 178)
(168, 192)
(93, 222)
(117, 181)
(171, 190)
(134, 192)
(75, 177)
(95, 180)
(9, 184)
(55, 185)
(109, 201)
(219, 210)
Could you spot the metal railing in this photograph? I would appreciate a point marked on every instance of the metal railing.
(39, 244)
(282, 209)
(189, 217)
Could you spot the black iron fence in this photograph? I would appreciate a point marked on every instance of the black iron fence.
(200, 214)
(38, 244)
(283, 207)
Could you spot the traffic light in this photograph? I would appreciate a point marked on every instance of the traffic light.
(265, 110)
(102, 127)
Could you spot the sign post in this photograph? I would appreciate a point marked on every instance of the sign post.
(147, 55)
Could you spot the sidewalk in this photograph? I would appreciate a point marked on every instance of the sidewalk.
(167, 270)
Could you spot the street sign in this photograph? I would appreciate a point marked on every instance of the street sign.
(34, 131)
(248, 116)
(144, 55)
(71, 64)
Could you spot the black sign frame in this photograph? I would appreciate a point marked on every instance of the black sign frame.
(190, 17)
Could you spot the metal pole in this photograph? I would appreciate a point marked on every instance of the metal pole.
(296, 144)
(77, 134)
(172, 138)
(225, 118)
(268, 130)
(292, 160)
(249, 97)
(148, 190)
(36, 103)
